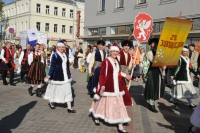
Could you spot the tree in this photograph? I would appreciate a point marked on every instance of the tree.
(3, 20)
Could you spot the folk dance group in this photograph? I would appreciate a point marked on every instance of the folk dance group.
(109, 75)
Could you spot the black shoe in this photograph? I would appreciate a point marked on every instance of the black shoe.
(30, 91)
(96, 123)
(91, 95)
(38, 94)
(5, 83)
(21, 80)
(12, 84)
(52, 107)
(193, 106)
(152, 108)
(173, 102)
(125, 124)
(122, 131)
(190, 129)
(71, 111)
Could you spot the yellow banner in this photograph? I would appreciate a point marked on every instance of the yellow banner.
(171, 42)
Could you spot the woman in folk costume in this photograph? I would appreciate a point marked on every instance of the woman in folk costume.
(194, 119)
(154, 77)
(36, 73)
(88, 56)
(59, 87)
(95, 66)
(110, 106)
(183, 87)
(125, 62)
(17, 55)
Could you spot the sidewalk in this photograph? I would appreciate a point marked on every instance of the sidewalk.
(21, 113)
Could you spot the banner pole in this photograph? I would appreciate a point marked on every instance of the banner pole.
(133, 68)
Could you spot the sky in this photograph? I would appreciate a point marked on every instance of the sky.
(8, 1)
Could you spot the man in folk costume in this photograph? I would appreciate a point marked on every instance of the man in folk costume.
(7, 64)
(95, 65)
(154, 77)
(125, 62)
(193, 56)
(23, 61)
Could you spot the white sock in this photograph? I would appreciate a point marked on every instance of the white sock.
(52, 105)
(39, 86)
(120, 126)
(69, 105)
(96, 120)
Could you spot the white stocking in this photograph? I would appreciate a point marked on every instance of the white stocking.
(69, 105)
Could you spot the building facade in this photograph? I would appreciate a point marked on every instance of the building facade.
(59, 19)
(113, 19)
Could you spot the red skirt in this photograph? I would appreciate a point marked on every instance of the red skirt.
(36, 73)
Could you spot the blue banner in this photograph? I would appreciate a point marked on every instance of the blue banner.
(32, 43)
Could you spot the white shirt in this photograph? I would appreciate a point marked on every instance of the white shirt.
(30, 60)
(2, 54)
(22, 56)
(88, 57)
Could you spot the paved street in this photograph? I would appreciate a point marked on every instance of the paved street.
(21, 113)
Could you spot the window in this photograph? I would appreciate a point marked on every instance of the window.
(26, 8)
(21, 26)
(120, 3)
(102, 31)
(124, 29)
(71, 13)
(12, 11)
(141, 1)
(47, 9)
(157, 27)
(25, 25)
(63, 12)
(102, 5)
(22, 8)
(196, 24)
(38, 8)
(55, 28)
(8, 12)
(70, 29)
(38, 26)
(97, 31)
(47, 27)
(63, 28)
(56, 11)
(18, 9)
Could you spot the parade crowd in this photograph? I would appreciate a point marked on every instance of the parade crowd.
(110, 70)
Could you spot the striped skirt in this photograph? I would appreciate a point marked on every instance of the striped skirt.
(36, 73)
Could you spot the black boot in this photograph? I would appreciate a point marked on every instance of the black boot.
(152, 108)
(38, 92)
(30, 91)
